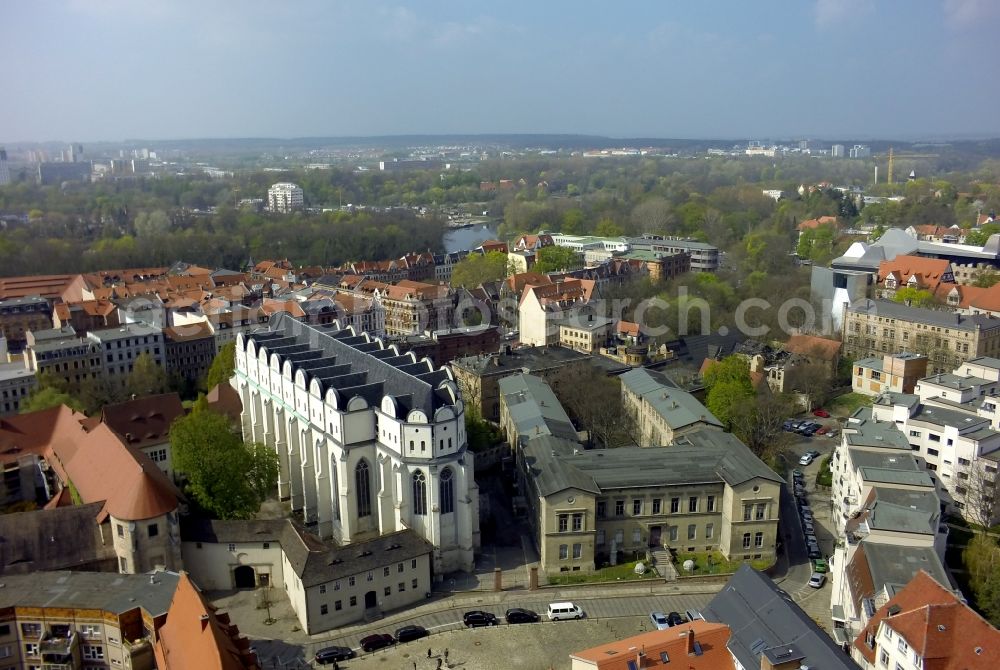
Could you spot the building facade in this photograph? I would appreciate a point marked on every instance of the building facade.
(285, 197)
(19, 316)
(370, 442)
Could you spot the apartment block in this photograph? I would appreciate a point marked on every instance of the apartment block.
(660, 409)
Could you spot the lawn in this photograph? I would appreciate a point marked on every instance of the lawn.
(847, 404)
(713, 563)
(615, 573)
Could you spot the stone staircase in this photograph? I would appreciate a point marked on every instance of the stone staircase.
(663, 563)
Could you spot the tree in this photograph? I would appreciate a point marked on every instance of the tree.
(223, 366)
(595, 401)
(476, 269)
(914, 296)
(225, 476)
(981, 504)
(979, 237)
(147, 377)
(758, 420)
(814, 380)
(728, 383)
(982, 559)
(48, 396)
(986, 278)
(554, 259)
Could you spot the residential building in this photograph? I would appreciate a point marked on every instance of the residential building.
(589, 334)
(925, 625)
(144, 425)
(876, 327)
(19, 316)
(62, 354)
(86, 315)
(704, 257)
(285, 197)
(769, 630)
(897, 373)
(4, 168)
(189, 351)
(28, 544)
(119, 347)
(662, 265)
(337, 405)
(56, 173)
(821, 351)
(444, 346)
(860, 151)
(837, 151)
(478, 376)
(699, 645)
(704, 492)
(16, 384)
(543, 308)
(661, 410)
(914, 272)
(329, 585)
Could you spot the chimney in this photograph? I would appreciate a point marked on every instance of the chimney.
(689, 634)
(204, 621)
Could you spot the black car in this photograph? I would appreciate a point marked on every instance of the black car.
(377, 641)
(410, 633)
(331, 654)
(477, 618)
(814, 553)
(675, 619)
(520, 615)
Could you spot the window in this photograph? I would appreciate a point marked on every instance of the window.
(338, 605)
(322, 589)
(711, 503)
(578, 522)
(90, 630)
(447, 490)
(121, 530)
(350, 581)
(758, 539)
(932, 452)
(675, 505)
(387, 591)
(902, 646)
(232, 547)
(323, 609)
(385, 571)
(93, 652)
(636, 507)
(602, 509)
(413, 564)
(619, 508)
(914, 433)
(963, 461)
(370, 577)
(153, 530)
(636, 536)
(600, 537)
(563, 523)
(31, 630)
(747, 512)
(884, 658)
(354, 601)
(746, 540)
(413, 583)
(419, 493)
(673, 533)
(761, 511)
(31, 649)
(692, 531)
(122, 564)
(709, 530)
(693, 504)
(563, 552)
(656, 505)
(577, 551)
(362, 484)
(933, 438)
(336, 585)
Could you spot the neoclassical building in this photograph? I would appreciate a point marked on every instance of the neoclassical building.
(370, 441)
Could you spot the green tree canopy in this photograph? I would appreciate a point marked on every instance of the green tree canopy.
(147, 377)
(228, 478)
(47, 396)
(223, 366)
(729, 386)
(554, 259)
(476, 269)
(914, 296)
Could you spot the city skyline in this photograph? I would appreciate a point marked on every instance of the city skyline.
(109, 70)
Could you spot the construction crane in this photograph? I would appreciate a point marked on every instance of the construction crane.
(890, 166)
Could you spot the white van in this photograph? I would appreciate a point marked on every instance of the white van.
(559, 611)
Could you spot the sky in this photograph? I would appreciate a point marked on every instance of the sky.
(89, 70)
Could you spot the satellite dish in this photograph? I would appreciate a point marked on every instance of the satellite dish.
(689, 565)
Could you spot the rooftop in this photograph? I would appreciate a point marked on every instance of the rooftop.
(534, 408)
(665, 649)
(528, 359)
(932, 317)
(678, 408)
(128, 330)
(106, 591)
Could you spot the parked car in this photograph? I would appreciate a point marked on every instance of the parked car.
(377, 641)
(786, 425)
(477, 618)
(814, 553)
(675, 619)
(520, 615)
(819, 565)
(821, 413)
(833, 432)
(813, 453)
(659, 620)
(797, 474)
(822, 430)
(808, 528)
(331, 654)
(806, 459)
(804, 508)
(811, 539)
(807, 517)
(410, 633)
(817, 580)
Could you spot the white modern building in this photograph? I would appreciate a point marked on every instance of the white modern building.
(285, 197)
(370, 442)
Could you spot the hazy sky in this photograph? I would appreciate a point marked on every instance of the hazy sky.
(115, 69)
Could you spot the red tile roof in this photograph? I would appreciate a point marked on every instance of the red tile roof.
(814, 347)
(929, 272)
(816, 223)
(677, 642)
(947, 634)
(195, 635)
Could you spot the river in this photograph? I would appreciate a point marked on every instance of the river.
(458, 239)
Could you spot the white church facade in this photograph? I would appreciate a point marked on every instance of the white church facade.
(370, 441)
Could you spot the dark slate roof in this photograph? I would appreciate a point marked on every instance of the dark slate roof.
(933, 317)
(316, 562)
(109, 592)
(703, 456)
(64, 538)
(761, 617)
(372, 370)
(224, 532)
